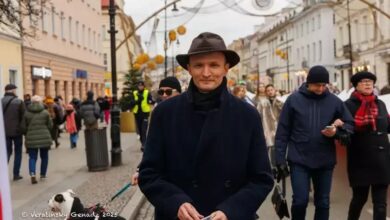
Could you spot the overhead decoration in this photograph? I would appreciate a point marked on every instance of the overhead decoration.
(159, 59)
(181, 30)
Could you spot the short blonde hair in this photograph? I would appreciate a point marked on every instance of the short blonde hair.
(36, 98)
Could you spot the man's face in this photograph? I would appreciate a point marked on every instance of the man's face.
(317, 88)
(207, 70)
(270, 91)
(167, 92)
(141, 87)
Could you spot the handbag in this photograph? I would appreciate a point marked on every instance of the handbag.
(279, 201)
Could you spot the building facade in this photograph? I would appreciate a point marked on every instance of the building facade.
(65, 58)
(370, 40)
(10, 61)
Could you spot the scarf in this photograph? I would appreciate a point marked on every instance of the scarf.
(70, 125)
(367, 112)
(207, 101)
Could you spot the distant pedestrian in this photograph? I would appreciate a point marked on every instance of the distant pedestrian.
(13, 111)
(269, 109)
(36, 126)
(106, 109)
(142, 101)
(56, 116)
(90, 112)
(260, 94)
(368, 154)
(100, 101)
(306, 133)
(27, 100)
(72, 121)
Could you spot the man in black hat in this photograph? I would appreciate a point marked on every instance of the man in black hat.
(13, 112)
(142, 101)
(308, 125)
(205, 155)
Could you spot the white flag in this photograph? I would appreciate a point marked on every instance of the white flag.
(5, 195)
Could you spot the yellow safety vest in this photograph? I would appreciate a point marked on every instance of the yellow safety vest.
(144, 104)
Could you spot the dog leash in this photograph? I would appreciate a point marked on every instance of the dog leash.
(123, 189)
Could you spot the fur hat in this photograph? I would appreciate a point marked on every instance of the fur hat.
(357, 77)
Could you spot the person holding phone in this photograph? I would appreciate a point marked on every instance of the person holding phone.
(308, 125)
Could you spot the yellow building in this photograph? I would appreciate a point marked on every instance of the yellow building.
(10, 63)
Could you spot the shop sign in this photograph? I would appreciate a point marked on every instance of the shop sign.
(81, 74)
(41, 72)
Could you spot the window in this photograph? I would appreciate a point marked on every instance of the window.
(334, 48)
(104, 32)
(357, 33)
(319, 21)
(298, 56)
(341, 37)
(89, 38)
(77, 32)
(314, 52)
(105, 59)
(313, 25)
(307, 27)
(302, 30)
(70, 29)
(94, 41)
(62, 25)
(319, 50)
(83, 36)
(308, 52)
(12, 76)
(365, 32)
(53, 20)
(43, 18)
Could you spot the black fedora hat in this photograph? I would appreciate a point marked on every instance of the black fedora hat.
(206, 43)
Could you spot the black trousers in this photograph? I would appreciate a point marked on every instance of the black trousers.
(141, 119)
(359, 198)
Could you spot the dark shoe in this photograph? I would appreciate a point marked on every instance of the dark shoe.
(16, 178)
(43, 178)
(34, 180)
(57, 144)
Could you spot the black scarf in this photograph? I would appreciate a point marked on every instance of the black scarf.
(207, 101)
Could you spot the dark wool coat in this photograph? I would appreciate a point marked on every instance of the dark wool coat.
(369, 152)
(303, 116)
(215, 160)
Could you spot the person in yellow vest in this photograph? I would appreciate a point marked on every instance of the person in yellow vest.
(141, 110)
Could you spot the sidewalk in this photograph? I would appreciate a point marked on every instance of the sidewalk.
(67, 170)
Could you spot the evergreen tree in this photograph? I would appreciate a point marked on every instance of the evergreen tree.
(131, 79)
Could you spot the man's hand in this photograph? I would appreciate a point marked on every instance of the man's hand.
(282, 172)
(188, 212)
(329, 132)
(134, 178)
(218, 215)
(338, 123)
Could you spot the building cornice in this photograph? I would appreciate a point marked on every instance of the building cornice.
(11, 38)
(60, 57)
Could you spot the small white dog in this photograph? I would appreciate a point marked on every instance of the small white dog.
(70, 206)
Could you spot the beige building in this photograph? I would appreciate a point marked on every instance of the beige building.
(370, 38)
(127, 52)
(10, 61)
(66, 56)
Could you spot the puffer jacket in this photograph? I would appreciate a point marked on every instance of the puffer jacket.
(90, 112)
(36, 126)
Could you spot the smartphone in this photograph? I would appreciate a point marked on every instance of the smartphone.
(329, 127)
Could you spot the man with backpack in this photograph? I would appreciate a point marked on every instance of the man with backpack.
(13, 111)
(90, 112)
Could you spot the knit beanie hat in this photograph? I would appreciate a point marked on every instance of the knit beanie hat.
(171, 82)
(89, 95)
(318, 74)
(355, 79)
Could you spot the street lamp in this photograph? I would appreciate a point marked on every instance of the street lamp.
(116, 151)
(165, 42)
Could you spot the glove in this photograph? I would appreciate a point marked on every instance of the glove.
(282, 173)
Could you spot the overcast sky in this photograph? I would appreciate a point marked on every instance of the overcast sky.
(229, 24)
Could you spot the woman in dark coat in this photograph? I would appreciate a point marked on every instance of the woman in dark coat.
(369, 152)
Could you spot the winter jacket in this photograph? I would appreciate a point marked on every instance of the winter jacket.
(270, 115)
(303, 116)
(369, 151)
(13, 115)
(37, 125)
(215, 160)
(90, 112)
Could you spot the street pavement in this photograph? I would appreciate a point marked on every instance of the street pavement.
(340, 198)
(67, 170)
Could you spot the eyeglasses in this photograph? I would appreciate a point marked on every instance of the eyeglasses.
(168, 92)
(366, 81)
